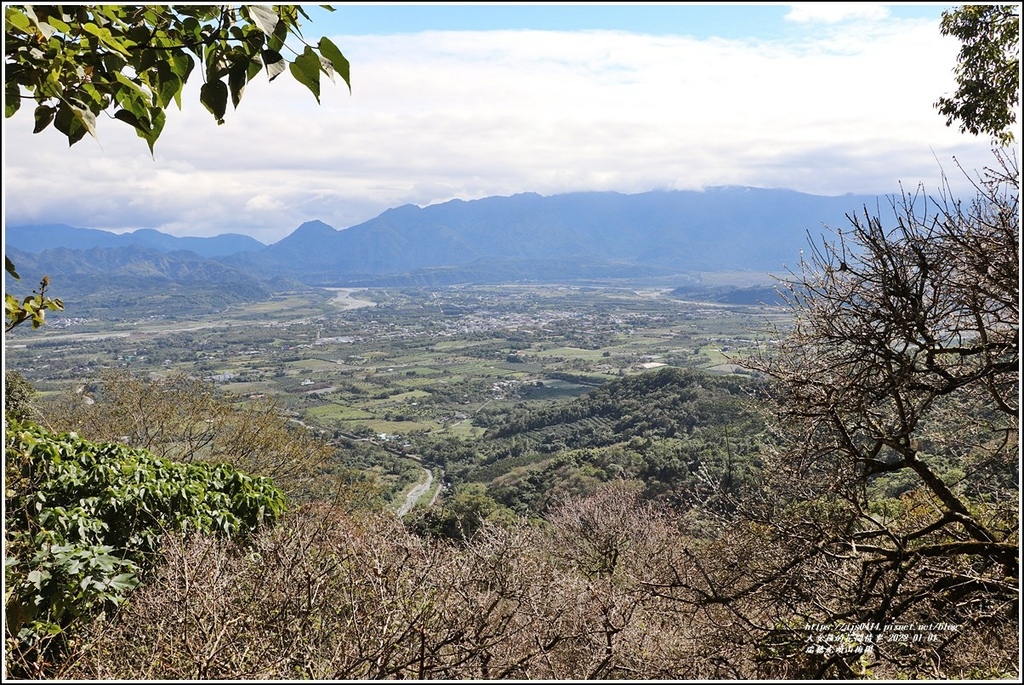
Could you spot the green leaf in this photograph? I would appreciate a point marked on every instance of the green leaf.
(181, 64)
(17, 19)
(58, 24)
(123, 582)
(237, 78)
(170, 89)
(264, 17)
(274, 62)
(44, 116)
(148, 59)
(306, 70)
(97, 97)
(87, 118)
(159, 118)
(105, 37)
(131, 89)
(68, 122)
(337, 60)
(37, 578)
(214, 96)
(12, 99)
(217, 64)
(255, 66)
(130, 118)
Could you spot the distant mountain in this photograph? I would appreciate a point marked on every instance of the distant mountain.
(572, 236)
(36, 238)
(135, 280)
(575, 237)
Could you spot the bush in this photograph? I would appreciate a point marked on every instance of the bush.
(84, 521)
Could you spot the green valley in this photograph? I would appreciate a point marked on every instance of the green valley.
(402, 369)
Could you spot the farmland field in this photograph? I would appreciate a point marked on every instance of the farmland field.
(390, 364)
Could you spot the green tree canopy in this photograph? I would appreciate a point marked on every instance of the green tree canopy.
(79, 61)
(988, 69)
(131, 62)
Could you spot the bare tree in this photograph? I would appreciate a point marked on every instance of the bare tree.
(897, 392)
(336, 595)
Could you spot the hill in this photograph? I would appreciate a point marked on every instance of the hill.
(688, 436)
(135, 281)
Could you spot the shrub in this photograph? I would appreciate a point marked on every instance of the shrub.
(84, 521)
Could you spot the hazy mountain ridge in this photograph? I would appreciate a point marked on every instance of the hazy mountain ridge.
(39, 237)
(134, 279)
(569, 237)
(660, 232)
(128, 262)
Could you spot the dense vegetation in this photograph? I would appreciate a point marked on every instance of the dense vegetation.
(817, 516)
(83, 523)
(845, 508)
(686, 437)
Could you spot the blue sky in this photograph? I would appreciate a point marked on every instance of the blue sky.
(467, 101)
(724, 20)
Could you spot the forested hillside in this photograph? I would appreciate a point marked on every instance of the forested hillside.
(633, 487)
(138, 281)
(678, 434)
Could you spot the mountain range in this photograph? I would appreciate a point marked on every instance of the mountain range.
(527, 237)
(40, 237)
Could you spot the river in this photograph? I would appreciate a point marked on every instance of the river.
(343, 298)
(415, 494)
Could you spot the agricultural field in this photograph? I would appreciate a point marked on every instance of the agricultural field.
(386, 365)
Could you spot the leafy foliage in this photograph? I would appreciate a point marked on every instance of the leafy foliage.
(186, 419)
(32, 308)
(79, 61)
(988, 70)
(18, 394)
(83, 521)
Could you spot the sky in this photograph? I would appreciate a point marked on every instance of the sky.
(467, 101)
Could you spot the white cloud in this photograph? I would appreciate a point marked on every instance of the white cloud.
(834, 12)
(263, 203)
(440, 115)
